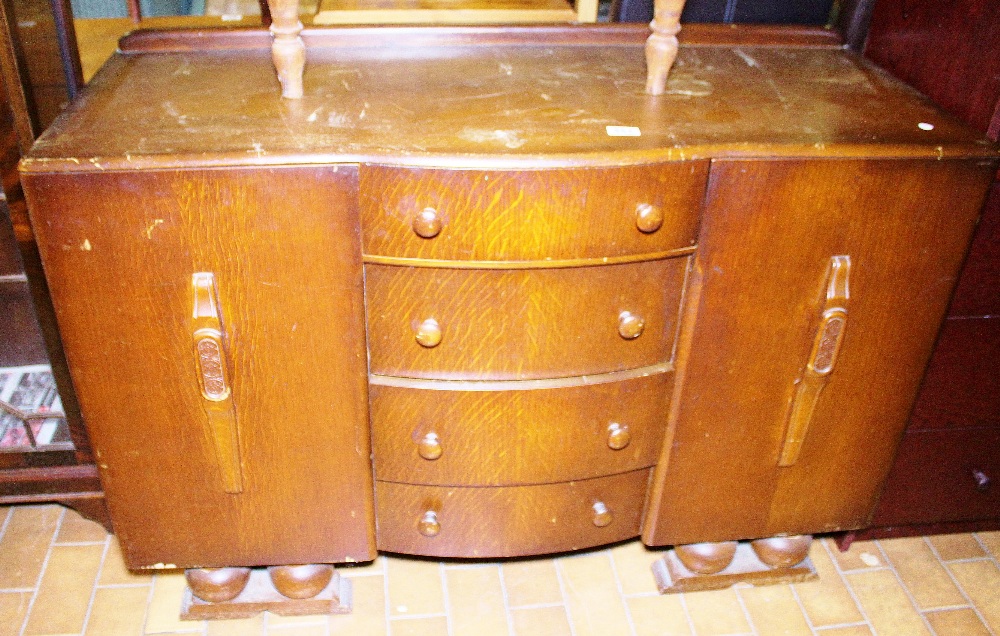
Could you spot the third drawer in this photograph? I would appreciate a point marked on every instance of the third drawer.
(516, 437)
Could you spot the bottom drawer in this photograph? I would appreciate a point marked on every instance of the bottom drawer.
(941, 476)
(509, 521)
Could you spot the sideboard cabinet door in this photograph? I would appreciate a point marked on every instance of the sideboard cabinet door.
(817, 292)
(214, 325)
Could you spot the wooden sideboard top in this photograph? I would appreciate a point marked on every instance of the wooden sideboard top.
(531, 96)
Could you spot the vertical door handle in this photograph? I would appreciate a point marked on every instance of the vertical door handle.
(826, 345)
(214, 380)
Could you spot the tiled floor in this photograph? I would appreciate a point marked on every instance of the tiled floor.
(60, 574)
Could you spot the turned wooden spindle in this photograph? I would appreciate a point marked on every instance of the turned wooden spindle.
(288, 51)
(661, 47)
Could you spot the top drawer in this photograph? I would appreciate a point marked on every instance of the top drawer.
(530, 215)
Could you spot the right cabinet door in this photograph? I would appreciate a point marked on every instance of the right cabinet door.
(817, 292)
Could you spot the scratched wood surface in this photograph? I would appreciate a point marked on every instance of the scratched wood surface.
(512, 324)
(540, 216)
(513, 437)
(464, 106)
(120, 265)
(509, 521)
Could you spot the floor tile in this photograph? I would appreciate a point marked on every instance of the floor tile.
(922, 574)
(827, 601)
(253, 626)
(851, 630)
(960, 622)
(884, 601)
(475, 601)
(716, 612)
(415, 587)
(592, 598)
(276, 620)
(658, 615)
(980, 580)
(114, 572)
(76, 529)
(13, 610)
(951, 547)
(118, 611)
(303, 630)
(368, 616)
(164, 611)
(531, 582)
(25, 543)
(992, 542)
(773, 610)
(541, 621)
(633, 563)
(433, 626)
(862, 555)
(64, 594)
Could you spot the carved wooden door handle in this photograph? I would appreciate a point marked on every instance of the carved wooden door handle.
(826, 345)
(214, 380)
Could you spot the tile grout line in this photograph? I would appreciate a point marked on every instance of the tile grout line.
(827, 628)
(557, 565)
(746, 613)
(93, 588)
(145, 611)
(847, 585)
(906, 590)
(506, 601)
(621, 593)
(687, 614)
(6, 521)
(802, 608)
(446, 598)
(961, 590)
(385, 592)
(41, 572)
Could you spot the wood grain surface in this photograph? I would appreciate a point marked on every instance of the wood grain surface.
(510, 325)
(516, 437)
(472, 106)
(512, 521)
(540, 215)
(769, 229)
(119, 251)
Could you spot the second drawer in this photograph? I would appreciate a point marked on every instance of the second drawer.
(516, 437)
(505, 325)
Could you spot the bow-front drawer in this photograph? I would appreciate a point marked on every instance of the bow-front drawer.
(534, 217)
(505, 325)
(509, 521)
(513, 434)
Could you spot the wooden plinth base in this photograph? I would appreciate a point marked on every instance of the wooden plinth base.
(259, 595)
(672, 577)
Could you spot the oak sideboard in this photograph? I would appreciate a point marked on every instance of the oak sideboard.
(477, 295)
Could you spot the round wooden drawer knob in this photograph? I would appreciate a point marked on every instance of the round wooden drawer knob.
(300, 581)
(602, 515)
(217, 585)
(618, 436)
(429, 333)
(981, 479)
(427, 223)
(630, 326)
(428, 524)
(648, 218)
(430, 446)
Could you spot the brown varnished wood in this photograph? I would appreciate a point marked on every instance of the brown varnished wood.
(511, 521)
(529, 215)
(120, 271)
(552, 110)
(510, 325)
(753, 326)
(177, 40)
(494, 438)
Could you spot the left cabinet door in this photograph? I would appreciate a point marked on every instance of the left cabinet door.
(214, 325)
